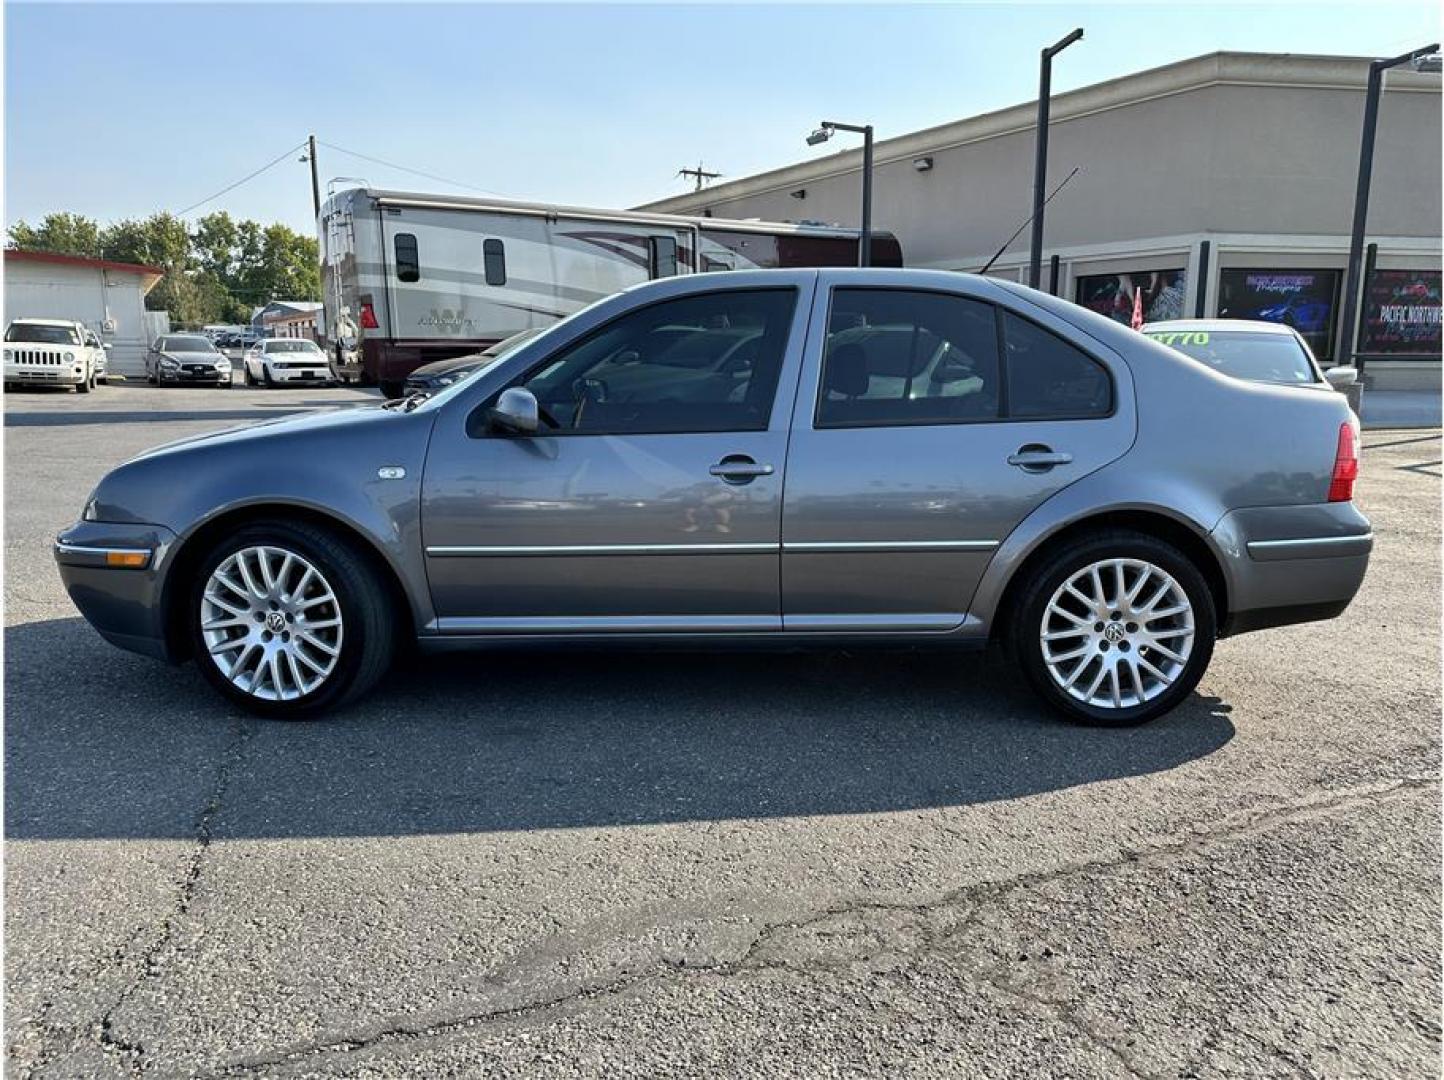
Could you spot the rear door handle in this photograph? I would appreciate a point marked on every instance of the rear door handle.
(739, 469)
(1038, 458)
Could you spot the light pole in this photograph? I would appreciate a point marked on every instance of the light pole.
(1353, 273)
(1040, 166)
(821, 135)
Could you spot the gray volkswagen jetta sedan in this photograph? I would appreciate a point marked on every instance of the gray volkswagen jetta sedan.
(785, 456)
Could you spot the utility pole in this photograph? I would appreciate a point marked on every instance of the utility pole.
(700, 174)
(315, 178)
(1040, 166)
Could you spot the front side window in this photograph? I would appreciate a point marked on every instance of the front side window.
(1049, 378)
(408, 262)
(694, 364)
(493, 257)
(896, 356)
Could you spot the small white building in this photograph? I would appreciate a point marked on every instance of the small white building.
(291, 319)
(108, 297)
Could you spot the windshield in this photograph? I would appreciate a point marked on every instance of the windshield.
(186, 344)
(42, 335)
(292, 346)
(1244, 354)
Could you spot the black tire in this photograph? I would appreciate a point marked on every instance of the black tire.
(391, 389)
(1025, 623)
(368, 641)
(266, 377)
(246, 379)
(85, 385)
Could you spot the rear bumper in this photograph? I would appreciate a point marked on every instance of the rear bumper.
(123, 603)
(1291, 564)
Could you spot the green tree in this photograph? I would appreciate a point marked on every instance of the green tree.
(66, 234)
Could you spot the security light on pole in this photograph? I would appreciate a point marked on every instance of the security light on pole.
(825, 131)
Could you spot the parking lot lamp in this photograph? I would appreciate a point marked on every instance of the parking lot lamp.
(1040, 165)
(1424, 59)
(821, 135)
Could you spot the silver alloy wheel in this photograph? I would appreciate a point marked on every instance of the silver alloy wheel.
(1117, 633)
(271, 623)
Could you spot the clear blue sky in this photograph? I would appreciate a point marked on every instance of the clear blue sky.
(120, 110)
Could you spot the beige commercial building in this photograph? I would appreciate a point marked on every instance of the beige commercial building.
(1220, 185)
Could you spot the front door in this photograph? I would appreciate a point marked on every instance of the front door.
(651, 500)
(930, 423)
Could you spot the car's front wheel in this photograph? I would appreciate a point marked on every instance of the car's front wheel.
(289, 621)
(1115, 629)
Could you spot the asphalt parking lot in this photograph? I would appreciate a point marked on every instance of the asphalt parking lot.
(813, 865)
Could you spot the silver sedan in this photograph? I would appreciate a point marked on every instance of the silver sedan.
(787, 457)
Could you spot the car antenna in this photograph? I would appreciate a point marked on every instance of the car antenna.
(999, 253)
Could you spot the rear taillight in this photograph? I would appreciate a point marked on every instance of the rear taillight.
(368, 317)
(1346, 465)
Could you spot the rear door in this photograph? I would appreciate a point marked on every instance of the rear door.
(929, 423)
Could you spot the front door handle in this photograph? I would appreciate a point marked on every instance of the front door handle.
(1035, 457)
(739, 469)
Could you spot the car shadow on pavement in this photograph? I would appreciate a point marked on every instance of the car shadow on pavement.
(100, 743)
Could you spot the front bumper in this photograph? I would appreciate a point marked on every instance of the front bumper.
(114, 575)
(195, 378)
(299, 375)
(1291, 564)
(44, 375)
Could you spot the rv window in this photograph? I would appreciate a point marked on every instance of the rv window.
(493, 256)
(664, 256)
(711, 265)
(408, 264)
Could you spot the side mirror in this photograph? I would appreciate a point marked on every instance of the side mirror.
(1340, 377)
(515, 413)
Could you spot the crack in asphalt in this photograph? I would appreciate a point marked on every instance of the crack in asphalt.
(132, 1054)
(974, 897)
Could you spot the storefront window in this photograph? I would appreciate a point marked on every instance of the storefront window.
(1303, 299)
(1401, 314)
(1114, 294)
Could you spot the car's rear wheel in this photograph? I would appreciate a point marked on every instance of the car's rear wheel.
(1114, 630)
(289, 621)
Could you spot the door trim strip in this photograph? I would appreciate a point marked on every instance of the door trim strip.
(609, 624)
(483, 551)
(889, 545)
(443, 551)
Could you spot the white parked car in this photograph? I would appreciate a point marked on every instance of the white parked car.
(275, 361)
(102, 359)
(52, 352)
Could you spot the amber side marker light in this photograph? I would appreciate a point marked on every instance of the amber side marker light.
(135, 559)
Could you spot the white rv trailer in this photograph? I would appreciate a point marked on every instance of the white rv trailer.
(410, 278)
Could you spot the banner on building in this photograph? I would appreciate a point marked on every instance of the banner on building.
(1115, 295)
(1303, 299)
(1401, 314)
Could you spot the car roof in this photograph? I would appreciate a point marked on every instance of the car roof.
(1220, 326)
(44, 322)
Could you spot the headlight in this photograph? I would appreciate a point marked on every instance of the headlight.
(169, 364)
(223, 365)
(88, 514)
(70, 358)
(9, 355)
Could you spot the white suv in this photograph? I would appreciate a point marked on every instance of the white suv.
(52, 352)
(286, 360)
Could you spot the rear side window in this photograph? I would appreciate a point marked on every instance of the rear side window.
(897, 356)
(493, 257)
(1050, 379)
(663, 256)
(408, 263)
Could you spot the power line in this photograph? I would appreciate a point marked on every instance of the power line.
(250, 176)
(408, 169)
